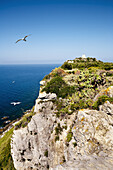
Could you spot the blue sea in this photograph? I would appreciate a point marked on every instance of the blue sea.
(20, 83)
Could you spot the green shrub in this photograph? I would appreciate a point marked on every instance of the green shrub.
(79, 105)
(109, 74)
(65, 127)
(58, 129)
(63, 159)
(75, 144)
(47, 77)
(56, 138)
(107, 66)
(67, 66)
(54, 85)
(59, 104)
(89, 102)
(88, 59)
(94, 59)
(101, 101)
(57, 85)
(46, 153)
(57, 114)
(67, 90)
(69, 136)
(74, 106)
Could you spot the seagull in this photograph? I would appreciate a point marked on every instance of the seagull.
(15, 103)
(24, 39)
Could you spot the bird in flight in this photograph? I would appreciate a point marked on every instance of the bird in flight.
(24, 39)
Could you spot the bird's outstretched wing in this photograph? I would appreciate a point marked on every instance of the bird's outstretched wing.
(18, 40)
(27, 36)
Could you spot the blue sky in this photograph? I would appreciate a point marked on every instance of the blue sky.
(61, 30)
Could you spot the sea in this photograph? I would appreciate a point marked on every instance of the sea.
(19, 88)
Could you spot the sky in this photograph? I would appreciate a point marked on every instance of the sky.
(60, 30)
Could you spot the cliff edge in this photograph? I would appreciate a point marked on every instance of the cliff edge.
(72, 122)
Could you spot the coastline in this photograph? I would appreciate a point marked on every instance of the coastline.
(30, 80)
(12, 123)
(59, 130)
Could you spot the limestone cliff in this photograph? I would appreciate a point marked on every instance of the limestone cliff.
(73, 123)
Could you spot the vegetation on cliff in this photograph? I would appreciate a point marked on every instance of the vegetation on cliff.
(81, 63)
(101, 100)
(57, 85)
(25, 119)
(6, 161)
(77, 82)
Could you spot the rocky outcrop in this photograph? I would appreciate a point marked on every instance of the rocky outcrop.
(30, 144)
(58, 133)
(83, 140)
(42, 98)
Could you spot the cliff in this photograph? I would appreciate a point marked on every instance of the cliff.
(71, 126)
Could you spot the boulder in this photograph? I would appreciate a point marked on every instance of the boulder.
(48, 96)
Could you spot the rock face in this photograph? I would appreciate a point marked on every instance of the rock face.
(82, 140)
(107, 108)
(30, 145)
(108, 92)
(93, 134)
(43, 97)
(87, 163)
